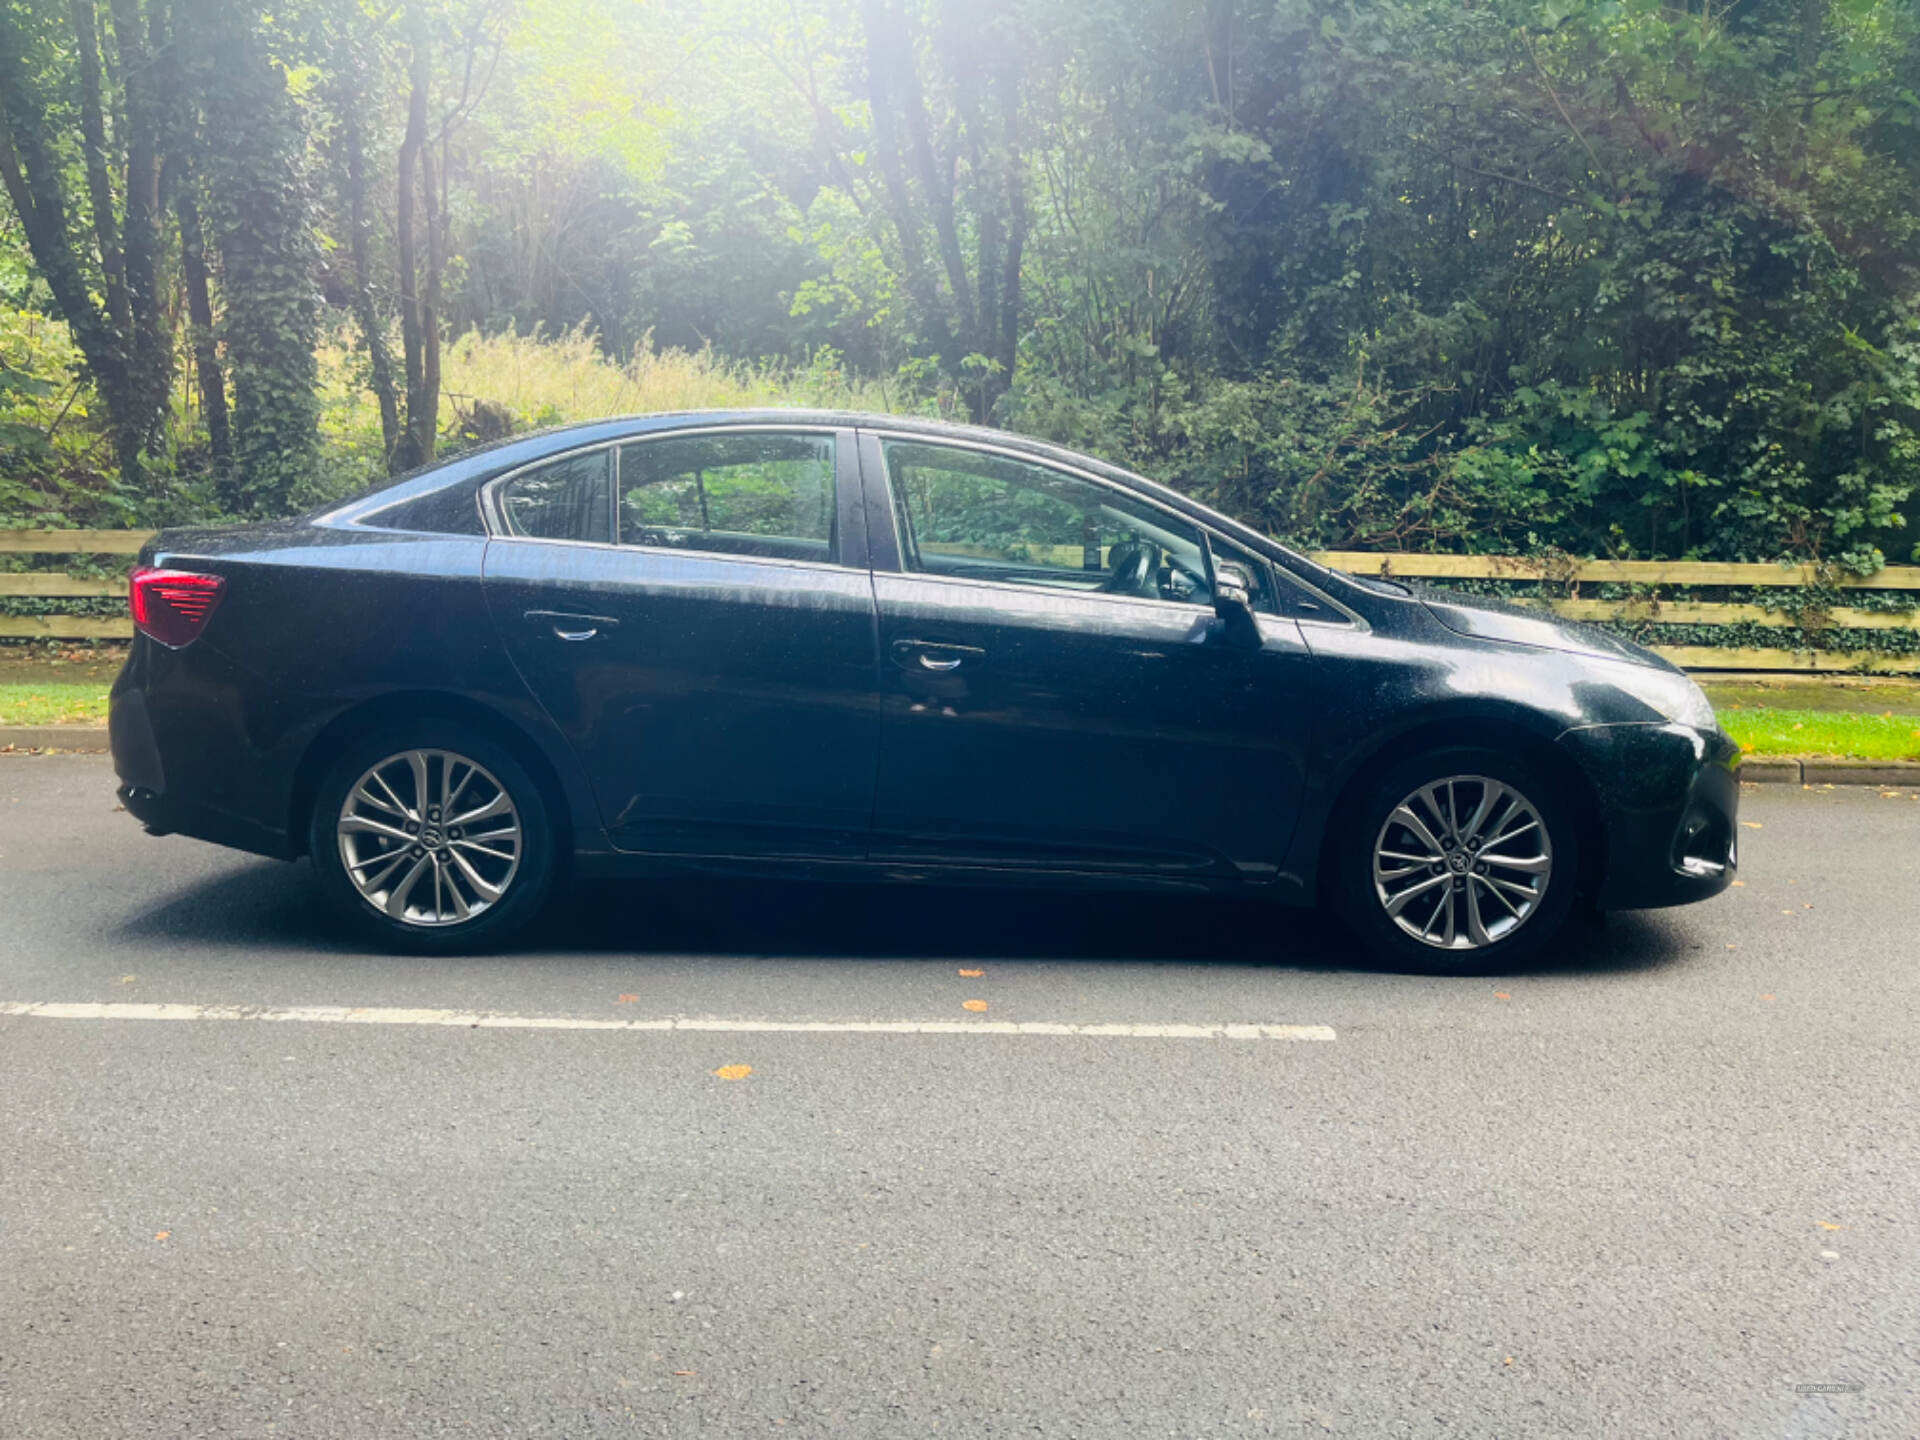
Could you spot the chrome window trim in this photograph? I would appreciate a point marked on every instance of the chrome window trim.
(494, 516)
(1352, 620)
(1181, 607)
(832, 566)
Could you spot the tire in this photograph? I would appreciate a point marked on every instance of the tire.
(1498, 898)
(366, 823)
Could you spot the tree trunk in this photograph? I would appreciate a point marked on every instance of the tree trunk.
(259, 215)
(938, 186)
(33, 179)
(93, 138)
(430, 304)
(886, 56)
(150, 346)
(206, 355)
(1016, 176)
(379, 357)
(416, 445)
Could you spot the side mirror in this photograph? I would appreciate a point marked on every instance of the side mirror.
(1233, 604)
(1232, 586)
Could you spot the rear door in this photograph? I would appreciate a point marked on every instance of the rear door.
(695, 611)
(1058, 691)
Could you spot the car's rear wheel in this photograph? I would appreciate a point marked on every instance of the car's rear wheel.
(433, 838)
(1458, 861)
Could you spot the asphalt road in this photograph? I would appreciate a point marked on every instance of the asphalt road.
(1644, 1193)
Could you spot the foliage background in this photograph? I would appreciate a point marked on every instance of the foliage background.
(1605, 276)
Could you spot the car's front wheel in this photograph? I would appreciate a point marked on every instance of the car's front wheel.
(1458, 861)
(433, 838)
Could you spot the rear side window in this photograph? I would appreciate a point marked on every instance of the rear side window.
(750, 493)
(566, 499)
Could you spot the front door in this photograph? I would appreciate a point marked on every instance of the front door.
(695, 612)
(1058, 691)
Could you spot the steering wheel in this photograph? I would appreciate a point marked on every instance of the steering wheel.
(1136, 566)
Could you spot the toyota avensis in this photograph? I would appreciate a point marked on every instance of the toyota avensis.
(862, 646)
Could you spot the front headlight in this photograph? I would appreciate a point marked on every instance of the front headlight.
(1674, 696)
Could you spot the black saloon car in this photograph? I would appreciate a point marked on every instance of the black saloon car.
(861, 646)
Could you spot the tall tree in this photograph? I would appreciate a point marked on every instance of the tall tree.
(419, 312)
(354, 52)
(109, 290)
(966, 169)
(260, 213)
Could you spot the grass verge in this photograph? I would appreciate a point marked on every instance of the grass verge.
(1763, 731)
(53, 704)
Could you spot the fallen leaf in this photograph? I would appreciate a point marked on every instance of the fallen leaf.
(1501, 995)
(734, 1072)
(1753, 824)
(163, 1235)
(975, 1005)
(973, 974)
(1828, 1225)
(1507, 1361)
(1767, 997)
(128, 979)
(625, 999)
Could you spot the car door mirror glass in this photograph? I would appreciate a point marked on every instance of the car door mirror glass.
(1232, 587)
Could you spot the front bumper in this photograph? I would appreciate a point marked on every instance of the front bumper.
(1669, 801)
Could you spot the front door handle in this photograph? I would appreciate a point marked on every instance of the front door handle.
(568, 626)
(934, 655)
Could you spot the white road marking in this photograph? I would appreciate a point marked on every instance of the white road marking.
(487, 1020)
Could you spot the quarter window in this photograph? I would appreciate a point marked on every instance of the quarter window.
(741, 494)
(567, 499)
(968, 514)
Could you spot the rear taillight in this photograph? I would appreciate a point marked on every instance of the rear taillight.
(172, 605)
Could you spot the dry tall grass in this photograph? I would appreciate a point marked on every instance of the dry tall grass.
(556, 380)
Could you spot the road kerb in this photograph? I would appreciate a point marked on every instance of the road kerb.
(53, 737)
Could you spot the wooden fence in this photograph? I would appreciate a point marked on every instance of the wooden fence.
(1652, 574)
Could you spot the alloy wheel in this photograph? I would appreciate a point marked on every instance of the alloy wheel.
(429, 838)
(1462, 863)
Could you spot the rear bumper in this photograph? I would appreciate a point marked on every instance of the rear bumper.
(1669, 811)
(135, 740)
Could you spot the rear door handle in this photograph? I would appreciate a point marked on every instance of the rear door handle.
(568, 626)
(935, 655)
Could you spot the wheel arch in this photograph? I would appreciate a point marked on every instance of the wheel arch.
(1481, 732)
(407, 707)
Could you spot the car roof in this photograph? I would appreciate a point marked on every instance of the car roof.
(559, 438)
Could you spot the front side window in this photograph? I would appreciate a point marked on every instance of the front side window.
(566, 499)
(768, 495)
(967, 514)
